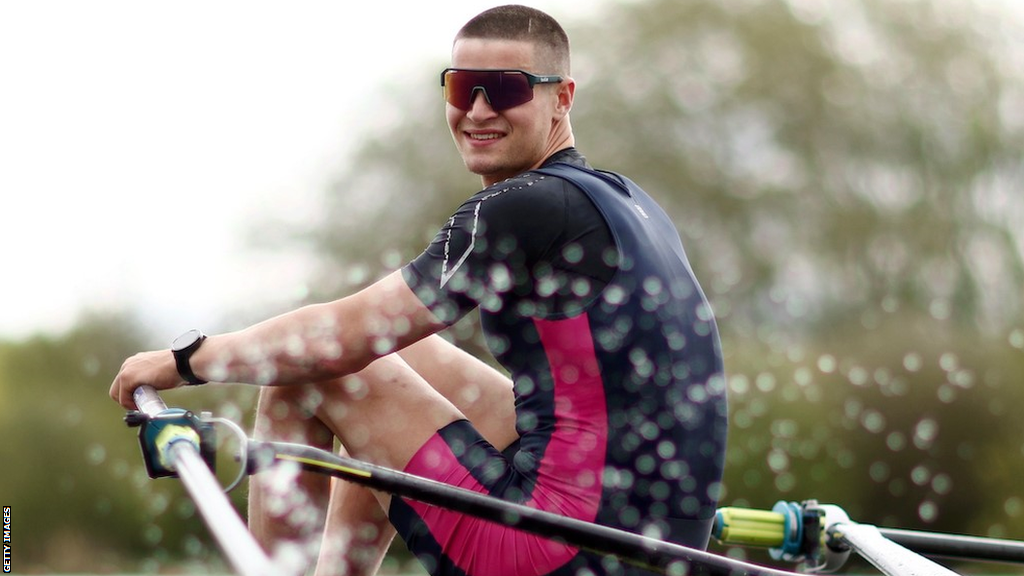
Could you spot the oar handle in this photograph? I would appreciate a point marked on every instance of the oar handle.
(148, 401)
(781, 530)
(747, 527)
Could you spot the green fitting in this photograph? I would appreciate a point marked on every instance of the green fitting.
(746, 527)
(170, 434)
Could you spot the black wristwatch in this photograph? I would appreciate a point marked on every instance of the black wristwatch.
(183, 347)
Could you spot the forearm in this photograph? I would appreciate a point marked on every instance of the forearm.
(318, 342)
(306, 345)
(311, 344)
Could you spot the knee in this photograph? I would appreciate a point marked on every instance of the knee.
(289, 413)
(284, 402)
(275, 404)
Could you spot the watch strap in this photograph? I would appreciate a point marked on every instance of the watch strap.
(182, 357)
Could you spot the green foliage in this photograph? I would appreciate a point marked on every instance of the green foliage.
(53, 422)
(73, 473)
(823, 160)
(916, 436)
(898, 428)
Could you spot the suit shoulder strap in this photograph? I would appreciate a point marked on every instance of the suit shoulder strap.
(584, 177)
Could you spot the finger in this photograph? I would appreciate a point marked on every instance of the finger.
(121, 394)
(126, 397)
(117, 392)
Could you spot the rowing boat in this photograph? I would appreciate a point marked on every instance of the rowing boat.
(818, 537)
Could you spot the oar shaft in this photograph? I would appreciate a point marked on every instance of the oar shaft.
(237, 543)
(649, 553)
(888, 556)
(957, 546)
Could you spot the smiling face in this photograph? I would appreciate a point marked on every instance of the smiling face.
(500, 145)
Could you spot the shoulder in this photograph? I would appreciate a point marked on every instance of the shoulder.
(522, 201)
(533, 185)
(528, 185)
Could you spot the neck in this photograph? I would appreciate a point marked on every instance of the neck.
(560, 139)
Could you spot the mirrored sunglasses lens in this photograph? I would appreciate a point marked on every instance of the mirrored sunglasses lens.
(503, 90)
(455, 90)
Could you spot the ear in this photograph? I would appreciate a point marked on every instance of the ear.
(564, 97)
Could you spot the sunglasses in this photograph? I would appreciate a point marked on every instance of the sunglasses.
(503, 89)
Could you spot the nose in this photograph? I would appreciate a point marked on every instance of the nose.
(479, 107)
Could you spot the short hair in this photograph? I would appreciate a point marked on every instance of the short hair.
(515, 22)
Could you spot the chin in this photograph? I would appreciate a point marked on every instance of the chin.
(483, 168)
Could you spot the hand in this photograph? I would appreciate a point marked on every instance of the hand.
(154, 368)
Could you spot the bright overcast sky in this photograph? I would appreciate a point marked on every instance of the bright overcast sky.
(140, 141)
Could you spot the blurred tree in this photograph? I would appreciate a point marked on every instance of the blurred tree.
(72, 469)
(845, 176)
(54, 444)
(829, 162)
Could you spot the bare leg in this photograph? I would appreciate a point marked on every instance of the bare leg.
(357, 535)
(370, 412)
(382, 414)
(287, 506)
(479, 391)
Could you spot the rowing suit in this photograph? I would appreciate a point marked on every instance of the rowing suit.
(587, 299)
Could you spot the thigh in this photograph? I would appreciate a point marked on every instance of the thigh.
(385, 412)
(483, 394)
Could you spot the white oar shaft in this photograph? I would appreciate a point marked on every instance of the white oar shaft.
(242, 551)
(237, 543)
(886, 555)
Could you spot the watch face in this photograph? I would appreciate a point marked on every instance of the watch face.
(187, 339)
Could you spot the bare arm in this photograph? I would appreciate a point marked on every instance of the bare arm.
(310, 344)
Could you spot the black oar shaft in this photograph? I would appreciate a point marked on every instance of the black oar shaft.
(654, 555)
(956, 546)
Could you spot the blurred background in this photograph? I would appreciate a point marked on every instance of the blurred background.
(846, 176)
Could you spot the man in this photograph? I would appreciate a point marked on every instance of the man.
(615, 411)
